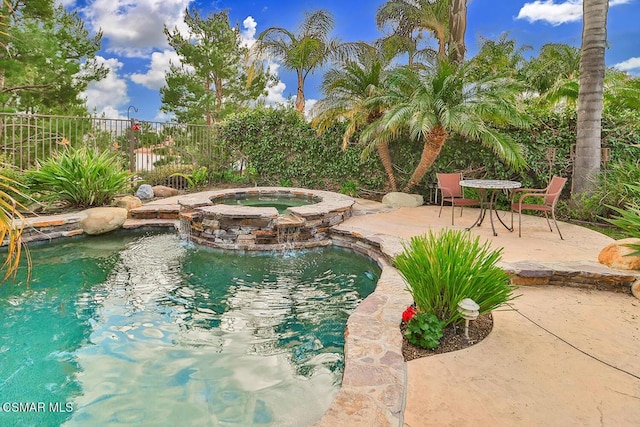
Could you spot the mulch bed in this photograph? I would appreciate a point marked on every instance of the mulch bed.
(453, 338)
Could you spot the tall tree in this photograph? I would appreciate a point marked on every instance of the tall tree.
(348, 90)
(48, 58)
(457, 30)
(303, 51)
(590, 96)
(409, 19)
(214, 75)
(429, 105)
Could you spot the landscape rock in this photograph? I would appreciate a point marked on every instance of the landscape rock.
(616, 255)
(128, 202)
(102, 220)
(145, 192)
(635, 289)
(399, 200)
(164, 191)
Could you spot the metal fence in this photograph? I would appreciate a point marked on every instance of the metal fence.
(144, 146)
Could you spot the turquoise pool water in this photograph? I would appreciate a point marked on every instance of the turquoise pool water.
(280, 202)
(145, 330)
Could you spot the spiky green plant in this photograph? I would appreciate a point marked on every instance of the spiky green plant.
(11, 226)
(628, 219)
(442, 269)
(82, 177)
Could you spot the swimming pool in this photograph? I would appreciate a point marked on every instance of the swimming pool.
(145, 330)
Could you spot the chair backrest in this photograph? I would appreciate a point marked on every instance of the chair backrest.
(554, 189)
(449, 184)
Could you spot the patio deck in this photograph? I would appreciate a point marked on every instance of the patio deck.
(558, 356)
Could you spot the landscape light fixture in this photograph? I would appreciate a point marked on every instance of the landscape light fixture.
(469, 310)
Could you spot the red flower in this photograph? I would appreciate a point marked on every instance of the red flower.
(408, 314)
(135, 127)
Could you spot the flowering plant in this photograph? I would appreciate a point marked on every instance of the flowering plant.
(408, 314)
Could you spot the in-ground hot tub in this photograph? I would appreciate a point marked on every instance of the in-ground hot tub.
(280, 201)
(206, 219)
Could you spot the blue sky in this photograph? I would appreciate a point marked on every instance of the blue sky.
(136, 51)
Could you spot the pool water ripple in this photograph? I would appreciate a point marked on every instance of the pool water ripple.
(148, 331)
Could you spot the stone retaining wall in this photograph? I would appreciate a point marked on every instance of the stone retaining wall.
(263, 228)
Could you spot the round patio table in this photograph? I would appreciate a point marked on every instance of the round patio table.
(493, 187)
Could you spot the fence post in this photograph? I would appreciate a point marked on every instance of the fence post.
(132, 139)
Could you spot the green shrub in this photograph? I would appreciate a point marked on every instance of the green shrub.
(442, 269)
(628, 219)
(199, 177)
(81, 177)
(610, 194)
(282, 147)
(171, 175)
(424, 330)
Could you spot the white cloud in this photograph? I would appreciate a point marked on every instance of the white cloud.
(629, 64)
(135, 28)
(154, 78)
(275, 91)
(106, 95)
(248, 34)
(557, 13)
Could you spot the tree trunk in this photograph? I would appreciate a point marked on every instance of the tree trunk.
(385, 158)
(433, 144)
(590, 98)
(300, 94)
(457, 29)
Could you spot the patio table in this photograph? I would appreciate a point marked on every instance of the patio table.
(492, 187)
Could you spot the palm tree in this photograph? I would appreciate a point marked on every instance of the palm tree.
(411, 16)
(429, 105)
(555, 62)
(590, 98)
(303, 51)
(11, 226)
(457, 29)
(347, 93)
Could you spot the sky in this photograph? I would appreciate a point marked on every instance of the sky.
(135, 49)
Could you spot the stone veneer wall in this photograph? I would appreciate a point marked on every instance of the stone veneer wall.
(263, 228)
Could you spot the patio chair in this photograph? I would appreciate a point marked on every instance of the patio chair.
(451, 192)
(546, 202)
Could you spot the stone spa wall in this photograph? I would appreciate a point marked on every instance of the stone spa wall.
(262, 228)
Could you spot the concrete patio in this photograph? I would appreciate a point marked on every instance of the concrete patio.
(557, 356)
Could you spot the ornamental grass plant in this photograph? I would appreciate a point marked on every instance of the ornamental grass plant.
(444, 268)
(82, 177)
(628, 219)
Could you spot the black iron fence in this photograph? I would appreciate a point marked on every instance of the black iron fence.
(144, 146)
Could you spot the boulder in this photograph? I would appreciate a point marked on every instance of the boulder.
(163, 191)
(635, 288)
(616, 255)
(128, 202)
(399, 200)
(102, 220)
(145, 192)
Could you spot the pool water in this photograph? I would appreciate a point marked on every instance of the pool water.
(144, 330)
(281, 202)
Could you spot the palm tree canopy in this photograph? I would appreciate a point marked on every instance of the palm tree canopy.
(442, 101)
(305, 50)
(409, 18)
(347, 90)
